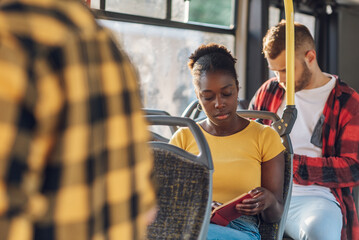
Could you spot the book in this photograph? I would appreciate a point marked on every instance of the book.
(227, 212)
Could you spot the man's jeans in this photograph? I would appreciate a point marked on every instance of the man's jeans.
(313, 218)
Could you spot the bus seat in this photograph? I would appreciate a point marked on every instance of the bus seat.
(275, 231)
(183, 185)
(155, 136)
(191, 110)
(243, 104)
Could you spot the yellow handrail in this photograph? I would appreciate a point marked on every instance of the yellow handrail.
(290, 50)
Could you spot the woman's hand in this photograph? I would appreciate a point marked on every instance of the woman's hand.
(267, 200)
(261, 200)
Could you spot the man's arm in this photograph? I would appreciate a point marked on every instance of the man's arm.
(12, 92)
(268, 97)
(22, 152)
(333, 171)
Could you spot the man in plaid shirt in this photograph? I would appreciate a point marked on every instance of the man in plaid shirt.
(325, 139)
(74, 160)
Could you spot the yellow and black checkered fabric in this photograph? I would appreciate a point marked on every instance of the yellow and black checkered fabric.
(74, 162)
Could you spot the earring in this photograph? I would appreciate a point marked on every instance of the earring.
(199, 107)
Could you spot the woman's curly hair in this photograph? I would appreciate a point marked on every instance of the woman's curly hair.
(212, 58)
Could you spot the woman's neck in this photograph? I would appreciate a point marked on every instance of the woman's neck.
(237, 125)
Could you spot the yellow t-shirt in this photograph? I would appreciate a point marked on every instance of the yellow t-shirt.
(237, 158)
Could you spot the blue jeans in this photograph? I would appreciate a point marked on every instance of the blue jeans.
(313, 218)
(237, 229)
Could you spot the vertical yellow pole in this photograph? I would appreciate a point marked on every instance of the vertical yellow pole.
(290, 50)
(290, 112)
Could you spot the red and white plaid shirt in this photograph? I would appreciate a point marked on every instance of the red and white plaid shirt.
(338, 169)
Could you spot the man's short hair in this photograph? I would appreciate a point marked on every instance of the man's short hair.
(274, 40)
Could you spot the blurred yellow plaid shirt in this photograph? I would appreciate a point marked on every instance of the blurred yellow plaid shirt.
(74, 162)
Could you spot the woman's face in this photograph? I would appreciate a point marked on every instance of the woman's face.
(217, 93)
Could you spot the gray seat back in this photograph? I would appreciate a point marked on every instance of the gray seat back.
(184, 185)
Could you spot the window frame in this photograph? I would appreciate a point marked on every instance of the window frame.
(167, 22)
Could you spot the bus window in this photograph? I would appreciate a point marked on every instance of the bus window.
(160, 55)
(273, 16)
(218, 12)
(152, 8)
(307, 20)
